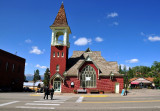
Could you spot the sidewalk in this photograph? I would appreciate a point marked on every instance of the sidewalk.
(132, 93)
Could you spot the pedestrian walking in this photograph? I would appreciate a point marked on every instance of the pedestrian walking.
(51, 92)
(46, 92)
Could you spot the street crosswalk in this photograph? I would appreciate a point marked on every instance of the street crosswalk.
(44, 104)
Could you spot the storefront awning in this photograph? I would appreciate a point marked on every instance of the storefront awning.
(134, 82)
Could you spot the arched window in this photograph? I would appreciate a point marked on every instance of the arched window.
(57, 54)
(59, 38)
(62, 54)
(53, 54)
(57, 68)
(88, 77)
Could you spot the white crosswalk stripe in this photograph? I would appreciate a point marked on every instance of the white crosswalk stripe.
(4, 104)
(44, 104)
(48, 101)
(28, 107)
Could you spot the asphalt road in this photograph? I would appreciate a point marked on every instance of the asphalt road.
(72, 102)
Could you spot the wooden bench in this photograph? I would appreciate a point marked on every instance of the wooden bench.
(94, 91)
(81, 91)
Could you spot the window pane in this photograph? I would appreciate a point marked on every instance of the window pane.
(62, 54)
(88, 76)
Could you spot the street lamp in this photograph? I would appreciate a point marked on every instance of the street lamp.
(65, 74)
(111, 76)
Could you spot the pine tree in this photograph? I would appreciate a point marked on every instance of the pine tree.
(36, 76)
(120, 70)
(46, 77)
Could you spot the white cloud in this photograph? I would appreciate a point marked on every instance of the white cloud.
(98, 39)
(37, 51)
(28, 41)
(122, 66)
(115, 23)
(132, 61)
(74, 37)
(42, 67)
(82, 41)
(154, 38)
(112, 15)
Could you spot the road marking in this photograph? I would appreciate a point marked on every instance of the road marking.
(47, 102)
(27, 107)
(4, 104)
(125, 101)
(133, 107)
(157, 106)
(80, 99)
(94, 96)
(41, 104)
(35, 95)
(53, 100)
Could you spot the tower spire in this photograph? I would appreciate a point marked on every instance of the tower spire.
(61, 19)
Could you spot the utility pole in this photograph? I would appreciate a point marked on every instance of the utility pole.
(126, 83)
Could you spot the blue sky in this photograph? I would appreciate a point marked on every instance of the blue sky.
(126, 31)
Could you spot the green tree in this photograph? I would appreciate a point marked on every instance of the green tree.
(156, 67)
(124, 69)
(36, 76)
(141, 71)
(130, 73)
(120, 69)
(155, 71)
(157, 81)
(46, 77)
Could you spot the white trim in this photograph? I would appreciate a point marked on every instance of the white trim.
(117, 87)
(57, 82)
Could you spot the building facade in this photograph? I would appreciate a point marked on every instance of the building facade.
(142, 83)
(11, 71)
(85, 71)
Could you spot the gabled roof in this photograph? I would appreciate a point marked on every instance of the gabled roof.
(88, 50)
(148, 79)
(61, 19)
(89, 59)
(79, 57)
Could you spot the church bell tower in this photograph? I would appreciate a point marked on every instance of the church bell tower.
(59, 48)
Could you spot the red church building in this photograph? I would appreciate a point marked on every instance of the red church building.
(85, 71)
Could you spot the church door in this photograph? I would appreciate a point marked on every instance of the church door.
(57, 85)
(116, 87)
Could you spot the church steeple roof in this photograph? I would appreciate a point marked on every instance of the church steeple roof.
(61, 19)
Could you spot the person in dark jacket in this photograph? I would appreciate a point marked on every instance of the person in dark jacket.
(46, 92)
(51, 92)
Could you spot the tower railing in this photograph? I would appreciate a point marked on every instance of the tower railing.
(60, 42)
